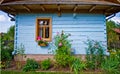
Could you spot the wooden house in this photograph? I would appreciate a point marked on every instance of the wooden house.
(83, 19)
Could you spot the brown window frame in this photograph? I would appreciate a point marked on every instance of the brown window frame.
(38, 26)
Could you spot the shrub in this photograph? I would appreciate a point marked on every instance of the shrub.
(6, 57)
(77, 65)
(94, 54)
(115, 52)
(111, 65)
(112, 62)
(45, 64)
(31, 65)
(63, 51)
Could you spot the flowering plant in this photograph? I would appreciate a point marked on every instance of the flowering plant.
(61, 40)
(63, 49)
(41, 42)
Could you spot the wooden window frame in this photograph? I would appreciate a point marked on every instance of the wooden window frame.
(38, 27)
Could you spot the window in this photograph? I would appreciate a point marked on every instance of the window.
(44, 28)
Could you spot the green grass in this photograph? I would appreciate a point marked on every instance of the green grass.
(19, 72)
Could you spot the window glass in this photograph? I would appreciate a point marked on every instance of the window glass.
(47, 32)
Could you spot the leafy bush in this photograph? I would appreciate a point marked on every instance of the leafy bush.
(6, 55)
(63, 51)
(78, 65)
(111, 65)
(31, 65)
(115, 52)
(94, 54)
(45, 64)
(6, 47)
(112, 62)
(7, 44)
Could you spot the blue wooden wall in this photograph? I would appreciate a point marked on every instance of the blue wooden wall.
(81, 27)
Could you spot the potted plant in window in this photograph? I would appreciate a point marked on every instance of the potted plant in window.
(41, 42)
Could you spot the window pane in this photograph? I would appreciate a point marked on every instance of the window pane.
(45, 22)
(41, 22)
(41, 32)
(48, 22)
(46, 32)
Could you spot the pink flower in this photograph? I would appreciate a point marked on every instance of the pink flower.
(39, 38)
(60, 44)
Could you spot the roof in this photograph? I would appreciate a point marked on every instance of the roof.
(117, 30)
(106, 7)
(98, 2)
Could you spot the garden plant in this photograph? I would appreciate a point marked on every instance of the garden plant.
(63, 51)
(95, 53)
(31, 65)
(45, 64)
(6, 47)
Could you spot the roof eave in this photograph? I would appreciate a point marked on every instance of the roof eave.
(78, 3)
(26, 5)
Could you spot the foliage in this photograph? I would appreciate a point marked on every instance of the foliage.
(94, 54)
(114, 57)
(45, 64)
(2, 65)
(111, 65)
(7, 39)
(7, 46)
(115, 52)
(6, 55)
(5, 64)
(10, 32)
(31, 65)
(111, 35)
(78, 65)
(112, 61)
(63, 51)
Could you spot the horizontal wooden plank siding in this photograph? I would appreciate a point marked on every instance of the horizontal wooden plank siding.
(81, 28)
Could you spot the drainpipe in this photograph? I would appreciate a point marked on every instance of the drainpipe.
(11, 18)
(111, 17)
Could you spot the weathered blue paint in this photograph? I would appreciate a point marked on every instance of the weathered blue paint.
(81, 27)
